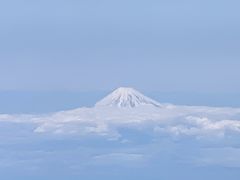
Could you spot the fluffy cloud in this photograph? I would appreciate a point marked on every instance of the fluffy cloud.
(165, 138)
(174, 120)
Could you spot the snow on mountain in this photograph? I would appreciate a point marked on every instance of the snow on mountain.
(126, 98)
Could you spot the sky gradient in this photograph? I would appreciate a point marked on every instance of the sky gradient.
(164, 46)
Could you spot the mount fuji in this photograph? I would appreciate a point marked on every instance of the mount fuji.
(126, 98)
(125, 104)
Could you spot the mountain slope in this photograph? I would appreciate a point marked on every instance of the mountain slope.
(126, 98)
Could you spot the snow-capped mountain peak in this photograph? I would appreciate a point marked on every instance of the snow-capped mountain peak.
(125, 97)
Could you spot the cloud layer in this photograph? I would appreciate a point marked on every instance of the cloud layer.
(149, 138)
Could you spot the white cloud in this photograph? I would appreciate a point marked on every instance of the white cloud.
(177, 121)
(151, 132)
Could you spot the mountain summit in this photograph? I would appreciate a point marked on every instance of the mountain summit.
(126, 98)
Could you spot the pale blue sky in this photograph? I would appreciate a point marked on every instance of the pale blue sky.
(166, 46)
(63, 54)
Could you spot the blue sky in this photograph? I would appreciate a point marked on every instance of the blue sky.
(64, 54)
(187, 46)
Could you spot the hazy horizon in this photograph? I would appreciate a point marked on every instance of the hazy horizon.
(46, 102)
